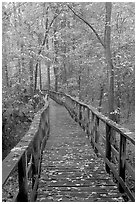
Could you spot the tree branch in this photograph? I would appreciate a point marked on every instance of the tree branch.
(44, 41)
(98, 37)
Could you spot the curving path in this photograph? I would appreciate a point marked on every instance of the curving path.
(71, 171)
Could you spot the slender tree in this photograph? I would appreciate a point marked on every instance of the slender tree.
(106, 45)
(42, 46)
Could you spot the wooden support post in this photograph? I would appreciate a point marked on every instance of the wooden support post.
(34, 170)
(35, 165)
(108, 146)
(83, 118)
(96, 133)
(122, 160)
(23, 181)
(76, 111)
(88, 121)
(73, 109)
(80, 114)
(35, 158)
(92, 130)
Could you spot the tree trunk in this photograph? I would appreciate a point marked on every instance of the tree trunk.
(5, 73)
(31, 75)
(56, 78)
(79, 86)
(47, 46)
(107, 39)
(118, 103)
(48, 73)
(101, 97)
(40, 78)
(56, 60)
(56, 83)
(36, 77)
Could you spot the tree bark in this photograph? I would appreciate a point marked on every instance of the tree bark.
(40, 78)
(47, 46)
(106, 46)
(48, 74)
(31, 76)
(107, 43)
(56, 60)
(101, 96)
(36, 76)
(56, 83)
(5, 71)
(42, 46)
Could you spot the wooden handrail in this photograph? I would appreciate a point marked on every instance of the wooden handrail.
(89, 119)
(26, 157)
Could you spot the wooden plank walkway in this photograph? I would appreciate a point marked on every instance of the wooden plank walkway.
(71, 171)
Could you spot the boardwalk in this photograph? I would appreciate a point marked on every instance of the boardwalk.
(71, 171)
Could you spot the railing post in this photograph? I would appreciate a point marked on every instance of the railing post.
(85, 119)
(92, 129)
(122, 160)
(88, 121)
(35, 158)
(83, 124)
(23, 181)
(108, 146)
(96, 132)
(80, 114)
(76, 111)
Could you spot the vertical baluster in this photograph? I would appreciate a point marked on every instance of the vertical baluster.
(35, 165)
(76, 118)
(85, 118)
(80, 114)
(92, 129)
(23, 181)
(73, 109)
(84, 121)
(108, 146)
(48, 121)
(88, 121)
(122, 160)
(35, 158)
(96, 139)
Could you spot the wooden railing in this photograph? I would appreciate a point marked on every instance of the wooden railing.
(100, 130)
(25, 158)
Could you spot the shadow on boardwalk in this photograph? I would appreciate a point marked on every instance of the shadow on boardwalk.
(71, 171)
